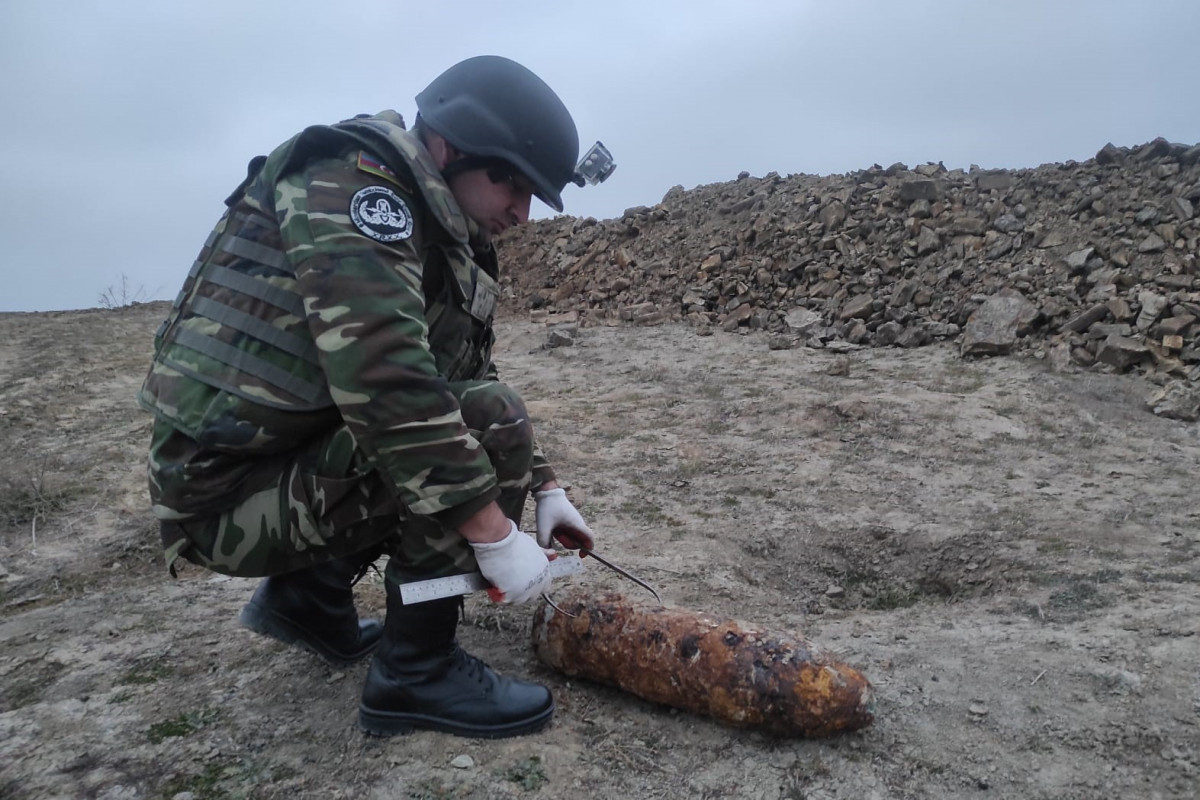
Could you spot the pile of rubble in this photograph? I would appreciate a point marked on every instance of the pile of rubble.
(1091, 263)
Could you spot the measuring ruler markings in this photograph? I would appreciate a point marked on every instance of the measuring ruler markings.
(454, 585)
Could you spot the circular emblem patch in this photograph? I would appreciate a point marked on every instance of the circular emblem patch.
(379, 212)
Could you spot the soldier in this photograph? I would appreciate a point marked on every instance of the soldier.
(324, 393)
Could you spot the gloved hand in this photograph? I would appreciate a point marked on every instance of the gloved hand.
(555, 514)
(515, 565)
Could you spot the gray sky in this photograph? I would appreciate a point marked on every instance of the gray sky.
(125, 124)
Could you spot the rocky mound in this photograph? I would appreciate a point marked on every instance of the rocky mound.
(1091, 263)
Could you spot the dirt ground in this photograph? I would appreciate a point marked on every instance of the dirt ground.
(1010, 554)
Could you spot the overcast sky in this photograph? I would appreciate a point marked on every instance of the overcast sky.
(125, 124)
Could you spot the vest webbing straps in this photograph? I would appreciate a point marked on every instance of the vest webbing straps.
(253, 251)
(256, 287)
(196, 265)
(263, 331)
(251, 365)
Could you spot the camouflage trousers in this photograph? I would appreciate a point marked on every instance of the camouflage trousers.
(326, 501)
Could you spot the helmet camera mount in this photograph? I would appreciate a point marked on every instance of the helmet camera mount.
(595, 166)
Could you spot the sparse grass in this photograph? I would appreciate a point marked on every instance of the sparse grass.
(648, 514)
(1077, 595)
(889, 598)
(1192, 576)
(527, 773)
(1008, 410)
(122, 295)
(691, 468)
(1055, 546)
(802, 774)
(31, 498)
(203, 785)
(25, 686)
(429, 789)
(227, 779)
(183, 725)
(715, 427)
(146, 673)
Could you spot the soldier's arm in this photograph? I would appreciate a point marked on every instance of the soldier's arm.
(365, 309)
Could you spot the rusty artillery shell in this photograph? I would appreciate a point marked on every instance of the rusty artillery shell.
(743, 676)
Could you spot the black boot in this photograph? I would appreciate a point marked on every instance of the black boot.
(421, 678)
(314, 608)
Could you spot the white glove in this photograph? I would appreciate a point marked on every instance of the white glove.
(556, 514)
(515, 565)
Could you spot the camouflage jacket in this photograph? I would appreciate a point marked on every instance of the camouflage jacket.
(343, 284)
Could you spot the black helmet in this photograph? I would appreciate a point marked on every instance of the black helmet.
(493, 108)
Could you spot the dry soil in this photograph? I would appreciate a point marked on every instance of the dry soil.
(1010, 554)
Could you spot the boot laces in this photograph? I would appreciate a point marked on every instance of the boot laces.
(472, 667)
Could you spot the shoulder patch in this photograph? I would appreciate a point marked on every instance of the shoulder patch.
(370, 164)
(381, 214)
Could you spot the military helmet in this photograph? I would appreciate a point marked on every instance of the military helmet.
(494, 109)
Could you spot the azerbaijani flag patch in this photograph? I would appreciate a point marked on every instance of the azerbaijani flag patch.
(368, 163)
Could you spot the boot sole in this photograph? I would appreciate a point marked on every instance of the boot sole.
(268, 623)
(392, 723)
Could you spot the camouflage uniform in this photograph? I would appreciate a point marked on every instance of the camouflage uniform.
(323, 383)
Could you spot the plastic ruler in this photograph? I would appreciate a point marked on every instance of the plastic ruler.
(454, 585)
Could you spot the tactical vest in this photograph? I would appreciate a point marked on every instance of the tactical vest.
(254, 343)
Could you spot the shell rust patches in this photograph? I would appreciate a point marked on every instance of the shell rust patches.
(379, 213)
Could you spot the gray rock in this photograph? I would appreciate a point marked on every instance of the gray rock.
(920, 190)
(783, 341)
(1175, 281)
(1159, 148)
(1052, 239)
(1084, 320)
(858, 307)
(801, 320)
(1176, 326)
(969, 226)
(920, 209)
(1110, 154)
(1152, 306)
(992, 181)
(1103, 330)
(1182, 208)
(1079, 258)
(1121, 352)
(1007, 223)
(1147, 216)
(1176, 401)
(914, 337)
(560, 337)
(1152, 244)
(903, 294)
(992, 328)
(888, 333)
(937, 330)
(833, 215)
(927, 241)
